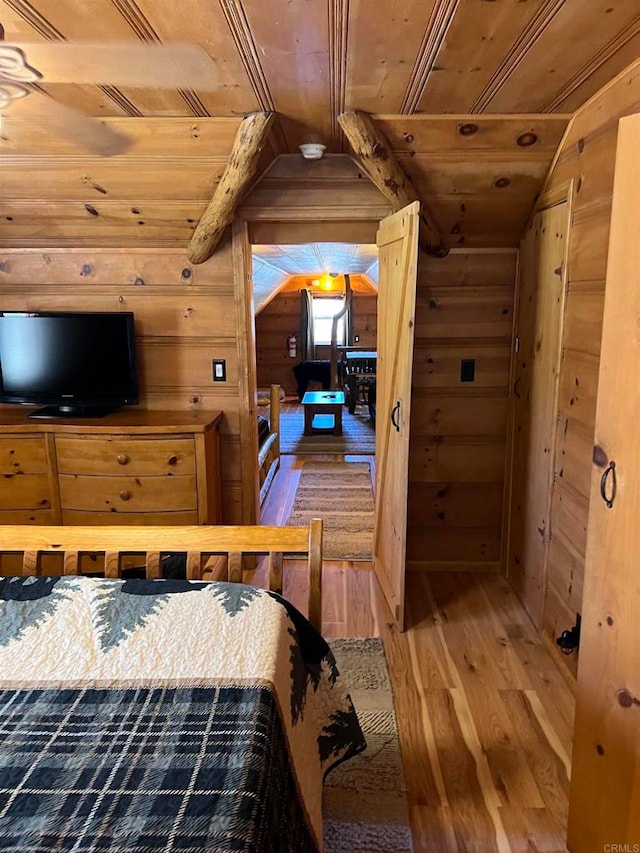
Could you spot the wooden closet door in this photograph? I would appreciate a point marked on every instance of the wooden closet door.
(604, 805)
(398, 255)
(537, 365)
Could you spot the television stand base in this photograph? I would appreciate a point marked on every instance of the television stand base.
(72, 412)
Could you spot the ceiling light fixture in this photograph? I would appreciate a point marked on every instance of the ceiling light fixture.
(312, 150)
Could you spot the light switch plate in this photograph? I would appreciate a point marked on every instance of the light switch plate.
(219, 369)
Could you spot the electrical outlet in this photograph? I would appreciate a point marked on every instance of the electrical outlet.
(468, 370)
(219, 368)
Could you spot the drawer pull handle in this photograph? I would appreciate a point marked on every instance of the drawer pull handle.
(122, 458)
(125, 495)
(173, 460)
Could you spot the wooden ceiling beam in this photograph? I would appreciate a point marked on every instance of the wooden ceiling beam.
(235, 181)
(378, 161)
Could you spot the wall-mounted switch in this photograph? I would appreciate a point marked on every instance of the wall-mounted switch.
(467, 370)
(356, 339)
(219, 366)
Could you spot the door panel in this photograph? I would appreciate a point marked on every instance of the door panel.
(398, 257)
(604, 805)
(539, 335)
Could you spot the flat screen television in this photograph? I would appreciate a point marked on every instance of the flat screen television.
(77, 364)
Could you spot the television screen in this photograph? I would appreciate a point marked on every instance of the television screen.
(79, 363)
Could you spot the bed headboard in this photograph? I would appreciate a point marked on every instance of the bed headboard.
(198, 542)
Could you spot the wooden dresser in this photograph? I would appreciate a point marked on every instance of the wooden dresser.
(131, 467)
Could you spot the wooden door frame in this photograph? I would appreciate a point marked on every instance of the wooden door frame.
(564, 193)
(247, 385)
(296, 222)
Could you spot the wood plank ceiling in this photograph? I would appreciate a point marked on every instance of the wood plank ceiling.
(308, 61)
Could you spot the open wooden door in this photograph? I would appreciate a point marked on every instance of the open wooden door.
(604, 802)
(398, 257)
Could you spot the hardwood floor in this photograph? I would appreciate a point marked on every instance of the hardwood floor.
(485, 714)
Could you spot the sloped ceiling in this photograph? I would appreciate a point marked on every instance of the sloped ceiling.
(478, 175)
(311, 60)
(319, 258)
(407, 62)
(274, 265)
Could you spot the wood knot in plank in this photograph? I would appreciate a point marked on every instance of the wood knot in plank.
(626, 700)
(600, 457)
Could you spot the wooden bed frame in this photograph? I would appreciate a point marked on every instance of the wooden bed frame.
(269, 452)
(198, 542)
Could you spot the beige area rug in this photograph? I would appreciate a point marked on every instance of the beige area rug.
(358, 436)
(365, 801)
(340, 494)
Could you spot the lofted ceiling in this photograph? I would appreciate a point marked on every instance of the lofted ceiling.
(425, 68)
(311, 60)
(320, 258)
(273, 266)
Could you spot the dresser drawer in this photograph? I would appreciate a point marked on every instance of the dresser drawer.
(128, 494)
(136, 519)
(27, 516)
(25, 491)
(23, 455)
(118, 456)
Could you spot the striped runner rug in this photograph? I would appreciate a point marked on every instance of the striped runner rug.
(339, 493)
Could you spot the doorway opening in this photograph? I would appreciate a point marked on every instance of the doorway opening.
(307, 342)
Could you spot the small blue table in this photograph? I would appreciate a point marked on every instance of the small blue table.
(323, 403)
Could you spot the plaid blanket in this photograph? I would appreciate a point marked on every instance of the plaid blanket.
(163, 715)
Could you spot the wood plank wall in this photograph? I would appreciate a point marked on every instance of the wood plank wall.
(185, 316)
(281, 318)
(464, 310)
(538, 330)
(588, 156)
(308, 201)
(274, 324)
(57, 194)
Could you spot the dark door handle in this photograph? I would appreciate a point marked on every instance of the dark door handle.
(609, 499)
(516, 391)
(395, 409)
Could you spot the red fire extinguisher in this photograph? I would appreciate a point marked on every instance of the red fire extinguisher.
(292, 346)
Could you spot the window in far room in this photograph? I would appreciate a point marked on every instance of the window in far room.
(324, 310)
